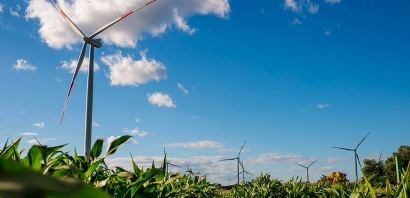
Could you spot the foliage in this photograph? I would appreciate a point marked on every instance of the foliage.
(390, 170)
(334, 177)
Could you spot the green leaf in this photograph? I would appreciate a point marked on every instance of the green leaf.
(19, 181)
(137, 171)
(116, 143)
(388, 189)
(8, 151)
(92, 168)
(97, 149)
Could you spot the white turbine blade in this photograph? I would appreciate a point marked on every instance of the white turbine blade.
(104, 27)
(241, 148)
(357, 157)
(249, 173)
(312, 163)
(228, 159)
(174, 165)
(301, 165)
(73, 26)
(362, 141)
(343, 148)
(77, 69)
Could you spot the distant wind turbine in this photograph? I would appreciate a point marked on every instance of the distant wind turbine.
(244, 171)
(307, 169)
(356, 157)
(236, 158)
(167, 163)
(90, 83)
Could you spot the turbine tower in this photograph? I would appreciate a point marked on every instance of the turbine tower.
(236, 158)
(356, 157)
(307, 169)
(89, 40)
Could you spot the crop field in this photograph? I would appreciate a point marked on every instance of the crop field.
(50, 172)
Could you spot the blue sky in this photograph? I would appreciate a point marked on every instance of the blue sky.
(200, 77)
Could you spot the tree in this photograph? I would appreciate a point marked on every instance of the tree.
(390, 170)
(373, 168)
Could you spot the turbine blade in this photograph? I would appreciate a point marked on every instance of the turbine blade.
(301, 165)
(380, 155)
(343, 148)
(312, 163)
(72, 25)
(241, 165)
(104, 27)
(228, 159)
(249, 173)
(174, 165)
(357, 157)
(361, 141)
(77, 69)
(241, 148)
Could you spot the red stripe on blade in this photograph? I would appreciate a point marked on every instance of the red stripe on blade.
(62, 13)
(126, 14)
(149, 2)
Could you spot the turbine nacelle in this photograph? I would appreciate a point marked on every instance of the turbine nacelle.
(94, 42)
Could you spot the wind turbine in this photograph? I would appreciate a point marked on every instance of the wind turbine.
(307, 169)
(89, 40)
(244, 171)
(236, 158)
(356, 157)
(167, 163)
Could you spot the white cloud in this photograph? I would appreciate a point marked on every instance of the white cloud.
(313, 8)
(125, 71)
(296, 21)
(23, 65)
(327, 32)
(96, 124)
(293, 5)
(72, 64)
(298, 6)
(321, 106)
(29, 133)
(160, 99)
(136, 131)
(181, 24)
(92, 14)
(42, 141)
(137, 120)
(15, 13)
(39, 125)
(197, 145)
(333, 1)
(180, 86)
(22, 111)
(1, 7)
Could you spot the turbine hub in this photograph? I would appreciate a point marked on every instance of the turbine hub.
(94, 42)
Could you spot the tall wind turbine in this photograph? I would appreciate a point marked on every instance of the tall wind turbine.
(356, 157)
(236, 158)
(90, 83)
(244, 171)
(307, 169)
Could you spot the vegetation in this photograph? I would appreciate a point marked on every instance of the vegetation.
(390, 170)
(50, 172)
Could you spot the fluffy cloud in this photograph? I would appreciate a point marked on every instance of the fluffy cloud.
(296, 21)
(136, 131)
(197, 145)
(1, 7)
(160, 99)
(182, 88)
(321, 106)
(29, 133)
(90, 15)
(15, 13)
(95, 124)
(125, 71)
(333, 1)
(23, 65)
(42, 141)
(299, 5)
(39, 125)
(72, 64)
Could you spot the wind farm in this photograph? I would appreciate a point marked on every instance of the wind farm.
(108, 84)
